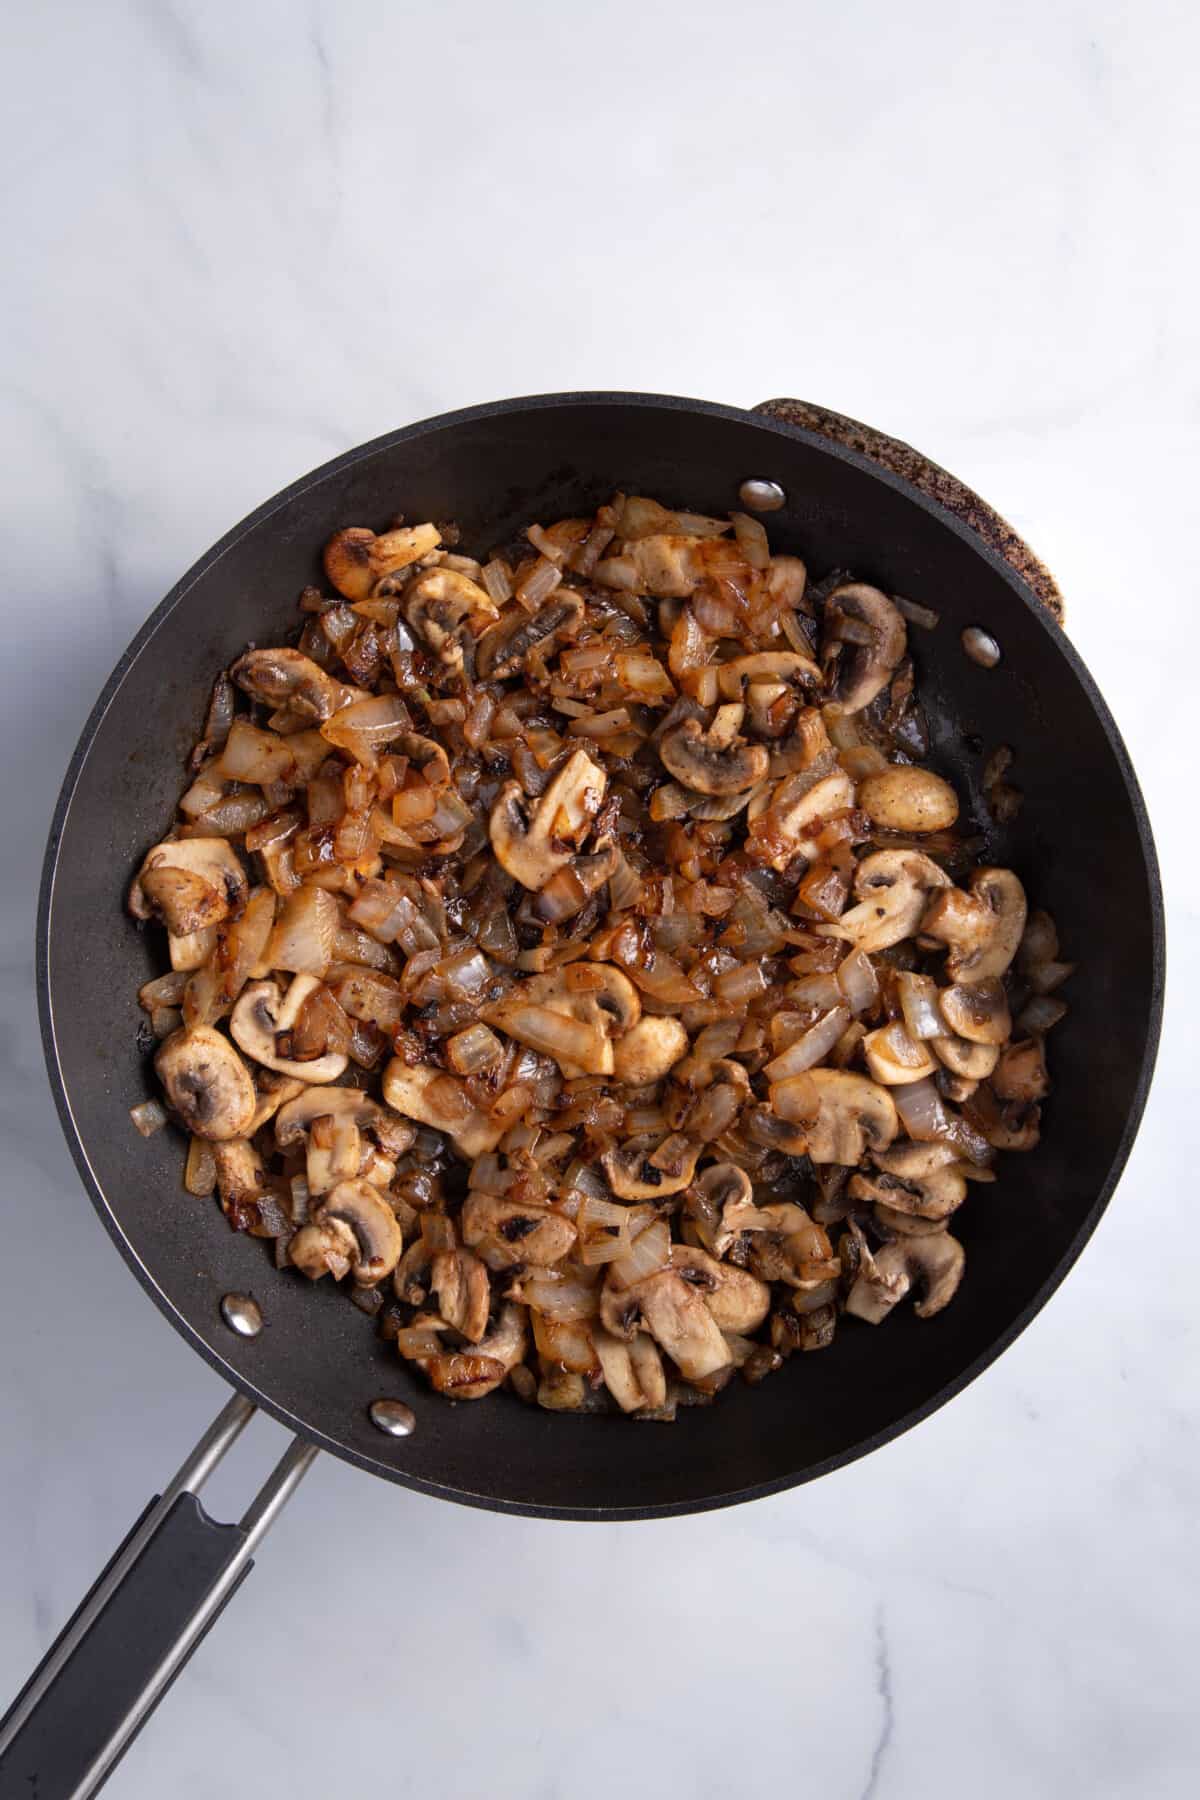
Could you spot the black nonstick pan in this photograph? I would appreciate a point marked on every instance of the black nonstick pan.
(1081, 842)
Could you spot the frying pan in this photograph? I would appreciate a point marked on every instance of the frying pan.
(1081, 842)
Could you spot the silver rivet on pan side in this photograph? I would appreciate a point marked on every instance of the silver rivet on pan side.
(242, 1314)
(981, 646)
(761, 496)
(392, 1417)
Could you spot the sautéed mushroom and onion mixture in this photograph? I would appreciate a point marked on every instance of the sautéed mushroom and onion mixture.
(571, 954)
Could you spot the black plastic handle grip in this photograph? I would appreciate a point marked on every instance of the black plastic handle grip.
(114, 1677)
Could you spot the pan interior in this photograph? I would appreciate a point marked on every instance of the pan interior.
(1079, 843)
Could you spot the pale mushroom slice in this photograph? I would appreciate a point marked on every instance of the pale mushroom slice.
(421, 1092)
(460, 1283)
(644, 1170)
(296, 1116)
(737, 1300)
(375, 1228)
(863, 641)
(982, 926)
(262, 1013)
(191, 884)
(934, 1261)
(507, 1233)
(838, 1115)
(355, 559)
(893, 889)
(533, 851)
(675, 1315)
(933, 1195)
(717, 761)
(207, 1083)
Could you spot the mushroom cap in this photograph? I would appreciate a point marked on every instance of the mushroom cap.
(893, 889)
(688, 754)
(863, 670)
(355, 559)
(261, 1011)
(973, 1062)
(206, 1082)
(632, 1176)
(977, 1011)
(191, 884)
(532, 852)
(503, 647)
(376, 1229)
(648, 1049)
(282, 677)
(903, 798)
(430, 1096)
(839, 1114)
(982, 927)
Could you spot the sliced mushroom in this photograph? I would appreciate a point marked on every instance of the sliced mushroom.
(354, 1104)
(469, 1375)
(935, 1261)
(442, 605)
(239, 1171)
(191, 884)
(1021, 1072)
(982, 927)
(262, 1013)
(648, 1050)
(426, 1094)
(532, 852)
(503, 648)
(288, 678)
(207, 1083)
(934, 1195)
(325, 1246)
(909, 799)
(621, 1375)
(727, 1190)
(737, 1300)
(633, 1174)
(977, 1011)
(840, 1116)
(274, 1091)
(972, 1062)
(597, 1002)
(463, 1291)
(192, 951)
(508, 1233)
(676, 1316)
(335, 1154)
(861, 669)
(355, 559)
(373, 1225)
(713, 761)
(796, 811)
(784, 666)
(893, 889)
(578, 1047)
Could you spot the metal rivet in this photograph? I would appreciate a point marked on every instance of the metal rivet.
(981, 646)
(393, 1417)
(761, 496)
(242, 1314)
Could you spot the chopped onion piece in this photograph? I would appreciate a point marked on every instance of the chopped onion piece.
(812, 1048)
(919, 1002)
(858, 982)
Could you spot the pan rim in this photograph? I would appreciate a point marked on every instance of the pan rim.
(246, 1385)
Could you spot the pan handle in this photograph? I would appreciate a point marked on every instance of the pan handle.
(152, 1604)
(933, 481)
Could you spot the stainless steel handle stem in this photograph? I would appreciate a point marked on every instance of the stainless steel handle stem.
(193, 1472)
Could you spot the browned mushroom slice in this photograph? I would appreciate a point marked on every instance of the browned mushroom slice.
(1021, 1072)
(977, 1011)
(932, 1195)
(355, 559)
(532, 851)
(640, 1170)
(795, 811)
(893, 889)
(262, 1014)
(982, 926)
(503, 648)
(737, 1300)
(375, 1228)
(508, 1233)
(839, 1115)
(677, 1318)
(287, 678)
(191, 884)
(460, 1282)
(442, 606)
(469, 1375)
(419, 1091)
(207, 1083)
(864, 639)
(648, 1050)
(716, 761)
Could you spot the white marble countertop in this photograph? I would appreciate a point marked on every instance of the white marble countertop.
(241, 238)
